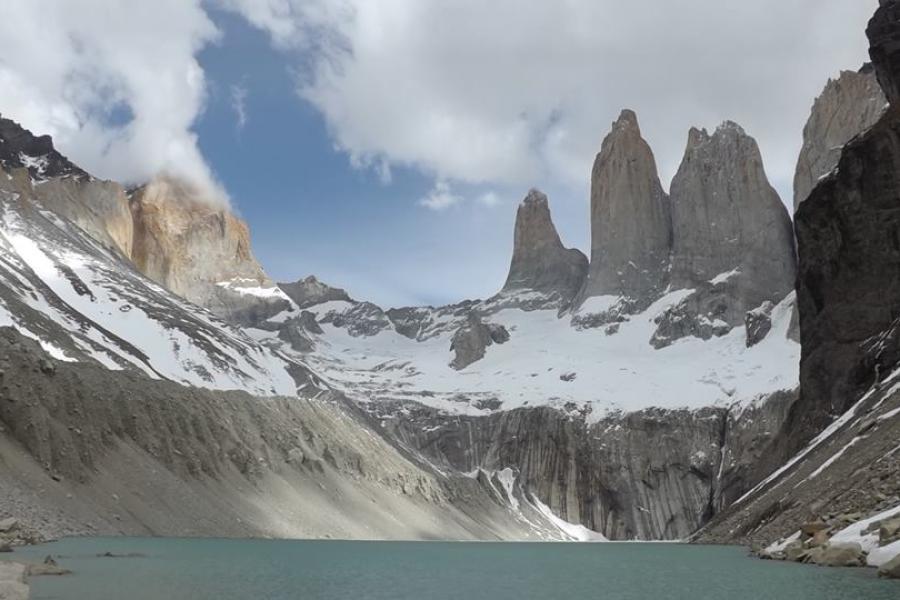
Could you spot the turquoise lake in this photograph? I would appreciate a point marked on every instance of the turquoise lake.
(214, 569)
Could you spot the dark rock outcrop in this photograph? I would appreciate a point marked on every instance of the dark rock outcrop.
(727, 218)
(630, 222)
(310, 291)
(848, 235)
(471, 340)
(758, 323)
(540, 262)
(847, 106)
(884, 48)
(19, 148)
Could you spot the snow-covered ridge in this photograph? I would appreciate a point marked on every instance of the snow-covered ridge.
(547, 361)
(81, 302)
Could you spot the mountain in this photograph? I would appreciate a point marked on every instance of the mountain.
(660, 388)
(580, 405)
(121, 399)
(847, 106)
(631, 229)
(540, 262)
(732, 237)
(837, 451)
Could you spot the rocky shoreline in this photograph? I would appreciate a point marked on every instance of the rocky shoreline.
(846, 540)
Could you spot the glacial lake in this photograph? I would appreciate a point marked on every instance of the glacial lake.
(215, 569)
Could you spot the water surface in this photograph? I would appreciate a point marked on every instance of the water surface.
(213, 569)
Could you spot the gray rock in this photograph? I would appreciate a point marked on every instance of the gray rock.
(708, 312)
(630, 222)
(8, 524)
(847, 106)
(363, 319)
(310, 291)
(727, 218)
(540, 262)
(889, 531)
(838, 555)
(884, 48)
(758, 323)
(471, 340)
(890, 569)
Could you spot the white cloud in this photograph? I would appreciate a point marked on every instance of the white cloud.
(489, 199)
(523, 92)
(117, 84)
(441, 197)
(239, 104)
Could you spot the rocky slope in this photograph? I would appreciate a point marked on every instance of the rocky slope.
(840, 475)
(92, 451)
(540, 262)
(847, 106)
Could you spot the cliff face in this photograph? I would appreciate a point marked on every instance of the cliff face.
(848, 234)
(847, 106)
(540, 262)
(728, 221)
(651, 474)
(630, 221)
(837, 448)
(199, 250)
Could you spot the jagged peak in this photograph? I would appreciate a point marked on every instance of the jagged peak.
(627, 123)
(535, 197)
(728, 132)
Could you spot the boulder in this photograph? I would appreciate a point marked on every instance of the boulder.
(890, 569)
(838, 555)
(8, 524)
(758, 323)
(813, 527)
(795, 552)
(889, 531)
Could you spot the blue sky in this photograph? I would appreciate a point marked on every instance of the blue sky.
(312, 212)
(384, 146)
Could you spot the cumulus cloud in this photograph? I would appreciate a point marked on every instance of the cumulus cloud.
(523, 92)
(441, 197)
(117, 84)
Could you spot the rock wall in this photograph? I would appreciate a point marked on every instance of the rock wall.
(653, 474)
(847, 106)
(729, 222)
(631, 228)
